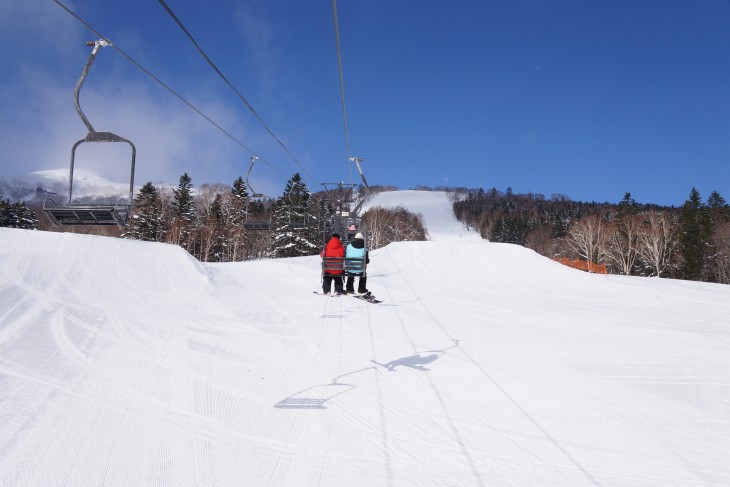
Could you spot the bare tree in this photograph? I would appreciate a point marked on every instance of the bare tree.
(392, 225)
(541, 241)
(657, 242)
(721, 257)
(585, 238)
(621, 243)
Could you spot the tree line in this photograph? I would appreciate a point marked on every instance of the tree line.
(691, 242)
(17, 215)
(221, 223)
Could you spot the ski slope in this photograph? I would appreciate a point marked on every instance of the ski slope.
(130, 363)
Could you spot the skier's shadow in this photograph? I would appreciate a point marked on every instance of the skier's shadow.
(418, 360)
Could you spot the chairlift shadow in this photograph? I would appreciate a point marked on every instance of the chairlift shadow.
(315, 397)
(318, 396)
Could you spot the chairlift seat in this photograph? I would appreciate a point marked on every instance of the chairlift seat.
(257, 226)
(350, 267)
(86, 214)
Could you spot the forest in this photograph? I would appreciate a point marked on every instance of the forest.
(221, 223)
(691, 242)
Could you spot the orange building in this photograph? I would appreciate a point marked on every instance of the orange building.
(583, 265)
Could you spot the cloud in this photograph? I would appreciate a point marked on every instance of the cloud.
(20, 20)
(40, 124)
(170, 138)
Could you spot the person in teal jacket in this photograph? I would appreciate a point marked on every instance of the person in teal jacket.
(356, 250)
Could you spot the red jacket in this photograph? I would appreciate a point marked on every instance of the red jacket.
(333, 248)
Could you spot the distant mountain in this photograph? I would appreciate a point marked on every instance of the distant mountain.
(36, 186)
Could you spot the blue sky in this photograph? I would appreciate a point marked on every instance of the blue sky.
(584, 98)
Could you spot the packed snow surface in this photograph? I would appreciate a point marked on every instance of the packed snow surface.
(130, 363)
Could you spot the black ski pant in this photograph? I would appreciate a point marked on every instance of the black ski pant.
(327, 283)
(361, 285)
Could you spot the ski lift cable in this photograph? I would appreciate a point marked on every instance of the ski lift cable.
(342, 86)
(164, 85)
(222, 76)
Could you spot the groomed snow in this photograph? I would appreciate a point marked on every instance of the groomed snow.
(129, 363)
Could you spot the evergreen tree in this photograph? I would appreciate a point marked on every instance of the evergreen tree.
(295, 225)
(184, 216)
(183, 202)
(627, 206)
(719, 209)
(695, 233)
(17, 215)
(147, 222)
(498, 231)
(240, 202)
(3, 211)
(718, 256)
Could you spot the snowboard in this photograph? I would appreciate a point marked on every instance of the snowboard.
(363, 297)
(366, 297)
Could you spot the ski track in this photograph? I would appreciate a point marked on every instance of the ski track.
(504, 371)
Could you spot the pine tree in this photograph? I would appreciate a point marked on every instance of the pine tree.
(718, 256)
(627, 206)
(295, 222)
(4, 220)
(147, 222)
(719, 209)
(184, 216)
(695, 233)
(240, 202)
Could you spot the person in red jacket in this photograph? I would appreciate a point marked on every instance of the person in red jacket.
(333, 248)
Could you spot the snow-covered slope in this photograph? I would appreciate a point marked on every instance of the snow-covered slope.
(129, 363)
(433, 206)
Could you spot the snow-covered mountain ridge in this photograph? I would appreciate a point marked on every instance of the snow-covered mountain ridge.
(39, 185)
(130, 363)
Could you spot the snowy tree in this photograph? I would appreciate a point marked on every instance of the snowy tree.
(295, 222)
(147, 222)
(585, 238)
(387, 225)
(184, 220)
(239, 203)
(657, 242)
(211, 233)
(718, 258)
(17, 215)
(621, 245)
(721, 256)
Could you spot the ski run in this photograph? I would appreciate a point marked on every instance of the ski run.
(127, 363)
